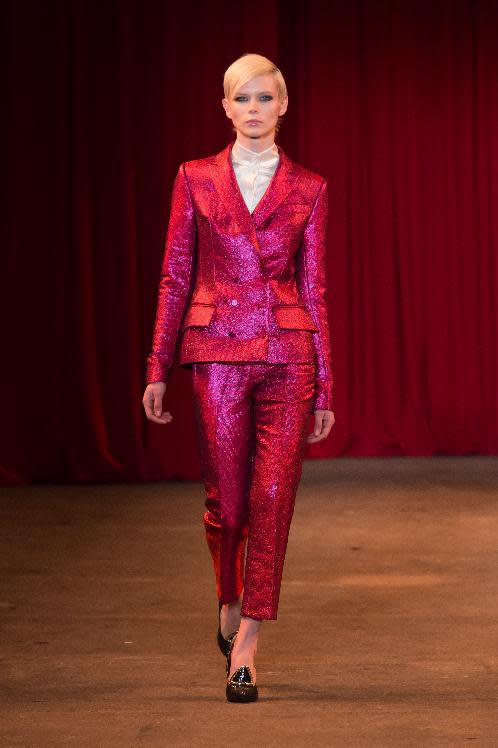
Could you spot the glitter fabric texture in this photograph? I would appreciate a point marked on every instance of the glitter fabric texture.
(242, 299)
(240, 286)
(251, 421)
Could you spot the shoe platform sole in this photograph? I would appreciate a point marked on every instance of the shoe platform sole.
(241, 696)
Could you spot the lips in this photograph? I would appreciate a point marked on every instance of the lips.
(253, 122)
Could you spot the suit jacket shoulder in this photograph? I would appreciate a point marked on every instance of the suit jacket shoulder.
(311, 180)
(200, 165)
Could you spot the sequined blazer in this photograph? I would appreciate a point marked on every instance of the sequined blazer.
(240, 287)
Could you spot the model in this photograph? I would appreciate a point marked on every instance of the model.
(242, 295)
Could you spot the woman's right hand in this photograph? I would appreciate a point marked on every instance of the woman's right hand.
(153, 403)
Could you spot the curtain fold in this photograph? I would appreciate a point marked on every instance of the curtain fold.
(395, 103)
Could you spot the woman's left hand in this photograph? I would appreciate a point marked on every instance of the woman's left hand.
(324, 420)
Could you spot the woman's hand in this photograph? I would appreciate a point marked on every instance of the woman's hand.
(153, 403)
(324, 420)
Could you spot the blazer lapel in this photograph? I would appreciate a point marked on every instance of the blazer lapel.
(225, 181)
(281, 184)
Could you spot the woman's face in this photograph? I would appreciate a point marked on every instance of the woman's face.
(254, 108)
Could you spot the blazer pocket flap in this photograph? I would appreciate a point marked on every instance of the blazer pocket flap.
(198, 315)
(294, 318)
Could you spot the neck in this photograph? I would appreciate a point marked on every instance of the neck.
(258, 143)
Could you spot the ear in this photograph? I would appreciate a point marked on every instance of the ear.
(226, 107)
(283, 105)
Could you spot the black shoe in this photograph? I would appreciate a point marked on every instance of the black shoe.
(240, 687)
(224, 644)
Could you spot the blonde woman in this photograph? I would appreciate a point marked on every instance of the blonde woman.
(242, 293)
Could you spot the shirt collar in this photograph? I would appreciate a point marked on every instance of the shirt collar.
(242, 155)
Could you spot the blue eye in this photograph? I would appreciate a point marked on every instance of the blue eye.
(264, 97)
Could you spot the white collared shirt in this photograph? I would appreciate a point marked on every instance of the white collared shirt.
(253, 171)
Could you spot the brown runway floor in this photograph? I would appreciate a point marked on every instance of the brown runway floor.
(387, 631)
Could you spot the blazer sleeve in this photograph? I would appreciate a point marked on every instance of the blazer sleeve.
(176, 279)
(312, 286)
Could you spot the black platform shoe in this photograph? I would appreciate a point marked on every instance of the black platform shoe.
(241, 686)
(224, 644)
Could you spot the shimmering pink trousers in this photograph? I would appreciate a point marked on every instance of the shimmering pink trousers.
(252, 421)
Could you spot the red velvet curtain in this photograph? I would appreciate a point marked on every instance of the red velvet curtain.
(396, 103)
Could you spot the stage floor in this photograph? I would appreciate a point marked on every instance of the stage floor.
(387, 630)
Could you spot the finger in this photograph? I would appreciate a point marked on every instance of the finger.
(164, 418)
(158, 405)
(325, 422)
(318, 424)
(313, 437)
(147, 402)
(321, 436)
(329, 419)
(328, 422)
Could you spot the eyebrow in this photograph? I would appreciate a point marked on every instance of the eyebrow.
(244, 93)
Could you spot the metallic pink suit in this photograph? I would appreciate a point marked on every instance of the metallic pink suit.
(252, 427)
(248, 293)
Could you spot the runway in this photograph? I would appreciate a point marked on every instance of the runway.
(387, 630)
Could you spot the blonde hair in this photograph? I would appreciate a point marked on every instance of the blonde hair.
(250, 66)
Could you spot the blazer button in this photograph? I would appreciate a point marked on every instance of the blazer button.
(231, 334)
(234, 302)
